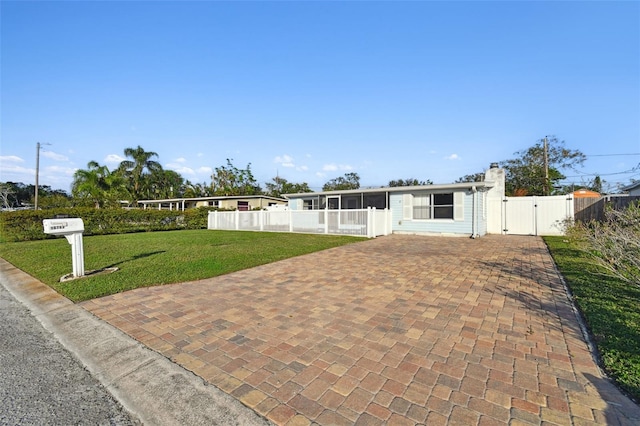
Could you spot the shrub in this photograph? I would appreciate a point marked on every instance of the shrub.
(26, 225)
(613, 243)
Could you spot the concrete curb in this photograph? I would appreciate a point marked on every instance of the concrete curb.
(148, 385)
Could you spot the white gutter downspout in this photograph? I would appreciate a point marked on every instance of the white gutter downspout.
(474, 213)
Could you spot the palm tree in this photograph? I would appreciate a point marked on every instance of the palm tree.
(195, 190)
(134, 170)
(92, 184)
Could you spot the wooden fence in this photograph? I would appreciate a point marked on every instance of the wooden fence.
(588, 209)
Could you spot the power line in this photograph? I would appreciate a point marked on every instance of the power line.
(632, 170)
(611, 155)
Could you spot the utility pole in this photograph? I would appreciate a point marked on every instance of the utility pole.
(37, 173)
(35, 203)
(546, 167)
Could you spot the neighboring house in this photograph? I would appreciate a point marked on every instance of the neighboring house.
(585, 193)
(451, 209)
(242, 203)
(633, 189)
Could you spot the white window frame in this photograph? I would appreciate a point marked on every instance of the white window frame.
(409, 203)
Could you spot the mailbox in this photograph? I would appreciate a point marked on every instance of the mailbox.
(63, 226)
(71, 229)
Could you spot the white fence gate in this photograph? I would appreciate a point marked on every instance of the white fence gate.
(536, 215)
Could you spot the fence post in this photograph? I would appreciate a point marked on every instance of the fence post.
(261, 220)
(371, 222)
(290, 220)
(326, 221)
(237, 215)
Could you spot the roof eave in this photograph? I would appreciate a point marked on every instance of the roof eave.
(434, 187)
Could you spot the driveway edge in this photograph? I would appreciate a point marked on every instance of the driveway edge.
(148, 385)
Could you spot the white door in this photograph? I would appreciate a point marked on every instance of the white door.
(519, 216)
(551, 214)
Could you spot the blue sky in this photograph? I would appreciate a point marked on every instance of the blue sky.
(310, 91)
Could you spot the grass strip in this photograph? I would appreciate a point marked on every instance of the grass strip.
(153, 258)
(611, 309)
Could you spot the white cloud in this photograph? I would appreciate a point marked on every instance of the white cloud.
(302, 168)
(181, 169)
(200, 154)
(452, 157)
(53, 156)
(205, 170)
(10, 159)
(113, 159)
(181, 160)
(284, 161)
(57, 170)
(334, 167)
(10, 169)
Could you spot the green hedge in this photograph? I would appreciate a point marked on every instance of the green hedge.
(26, 225)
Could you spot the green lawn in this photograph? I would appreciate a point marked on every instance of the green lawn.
(611, 309)
(152, 258)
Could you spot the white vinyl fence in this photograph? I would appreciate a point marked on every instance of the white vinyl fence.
(536, 215)
(365, 222)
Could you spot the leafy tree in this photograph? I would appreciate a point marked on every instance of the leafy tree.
(281, 186)
(596, 184)
(196, 190)
(410, 182)
(476, 177)
(55, 200)
(98, 185)
(19, 194)
(7, 196)
(348, 181)
(526, 173)
(137, 169)
(229, 180)
(165, 184)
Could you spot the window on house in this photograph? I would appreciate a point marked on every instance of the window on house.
(351, 202)
(310, 204)
(443, 206)
(432, 206)
(422, 206)
(379, 201)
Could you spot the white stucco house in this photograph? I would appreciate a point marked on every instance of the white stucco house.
(451, 209)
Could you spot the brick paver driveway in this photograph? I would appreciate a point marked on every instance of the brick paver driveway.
(396, 330)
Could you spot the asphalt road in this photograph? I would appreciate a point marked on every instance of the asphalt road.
(41, 383)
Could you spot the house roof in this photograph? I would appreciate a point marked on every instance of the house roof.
(631, 187)
(585, 193)
(221, 197)
(438, 187)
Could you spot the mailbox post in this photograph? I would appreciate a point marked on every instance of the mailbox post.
(72, 229)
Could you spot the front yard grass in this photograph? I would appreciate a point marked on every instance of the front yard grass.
(152, 258)
(611, 309)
